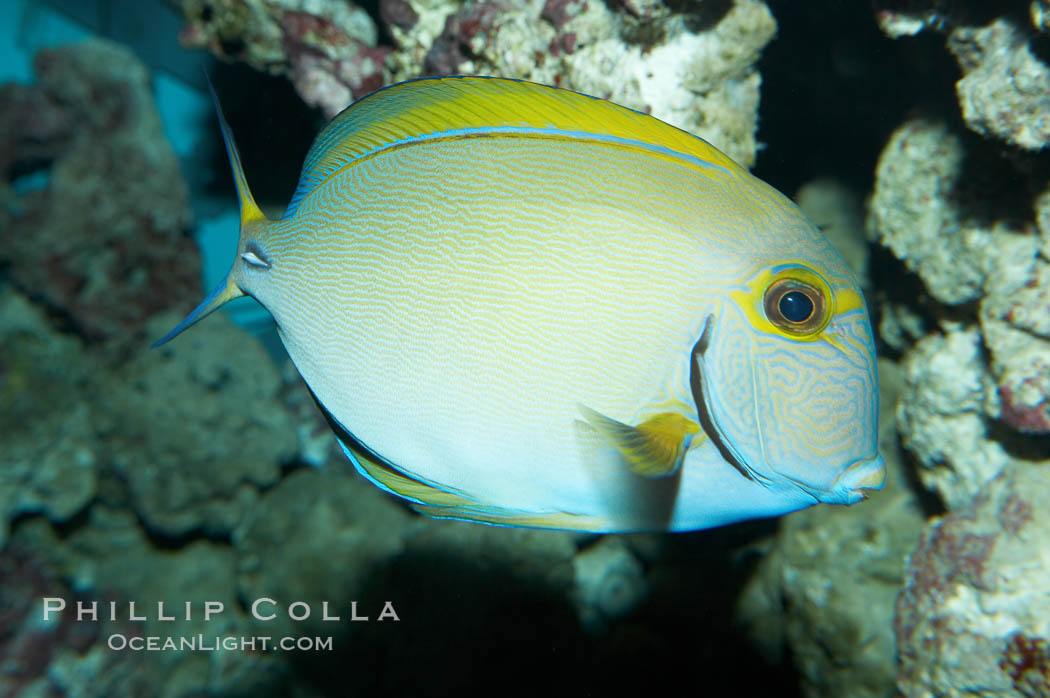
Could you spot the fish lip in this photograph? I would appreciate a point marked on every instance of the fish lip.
(867, 473)
(862, 474)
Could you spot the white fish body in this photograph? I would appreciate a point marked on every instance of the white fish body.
(486, 294)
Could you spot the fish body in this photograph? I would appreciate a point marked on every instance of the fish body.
(521, 305)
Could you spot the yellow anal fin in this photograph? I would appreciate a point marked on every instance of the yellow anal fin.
(389, 478)
(440, 503)
(654, 448)
(497, 516)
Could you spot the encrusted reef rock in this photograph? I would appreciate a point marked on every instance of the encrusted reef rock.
(1016, 326)
(974, 616)
(50, 453)
(110, 559)
(193, 433)
(693, 66)
(1005, 88)
(198, 428)
(193, 429)
(327, 47)
(944, 415)
(610, 582)
(321, 536)
(967, 237)
(826, 592)
(970, 215)
(930, 214)
(49, 657)
(100, 238)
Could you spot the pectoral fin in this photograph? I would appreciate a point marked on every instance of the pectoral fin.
(654, 448)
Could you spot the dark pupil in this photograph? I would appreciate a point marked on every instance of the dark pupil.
(795, 306)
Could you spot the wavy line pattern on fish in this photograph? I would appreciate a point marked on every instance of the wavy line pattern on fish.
(524, 306)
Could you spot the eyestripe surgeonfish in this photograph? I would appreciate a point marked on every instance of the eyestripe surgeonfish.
(521, 305)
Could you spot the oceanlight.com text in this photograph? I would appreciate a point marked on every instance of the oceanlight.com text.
(214, 643)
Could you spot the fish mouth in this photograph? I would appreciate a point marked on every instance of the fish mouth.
(702, 397)
(862, 474)
(868, 473)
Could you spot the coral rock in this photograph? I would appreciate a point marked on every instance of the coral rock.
(610, 582)
(1005, 88)
(1016, 327)
(50, 453)
(109, 557)
(922, 210)
(1017, 331)
(318, 537)
(967, 242)
(897, 22)
(104, 244)
(974, 616)
(327, 47)
(34, 128)
(198, 428)
(397, 13)
(942, 415)
(1005, 91)
(828, 589)
(692, 70)
(256, 32)
(36, 654)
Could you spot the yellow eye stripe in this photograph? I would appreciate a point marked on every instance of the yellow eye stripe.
(772, 283)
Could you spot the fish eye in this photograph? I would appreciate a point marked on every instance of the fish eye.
(796, 306)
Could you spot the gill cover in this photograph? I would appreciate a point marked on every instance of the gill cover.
(789, 385)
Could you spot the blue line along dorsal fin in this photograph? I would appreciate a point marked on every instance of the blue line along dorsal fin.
(463, 106)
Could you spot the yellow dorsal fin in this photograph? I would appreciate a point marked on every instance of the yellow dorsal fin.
(451, 107)
(654, 448)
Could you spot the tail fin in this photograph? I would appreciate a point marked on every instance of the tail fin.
(249, 209)
(250, 214)
(224, 293)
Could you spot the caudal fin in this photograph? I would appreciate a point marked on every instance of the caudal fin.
(250, 211)
(224, 293)
(251, 214)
